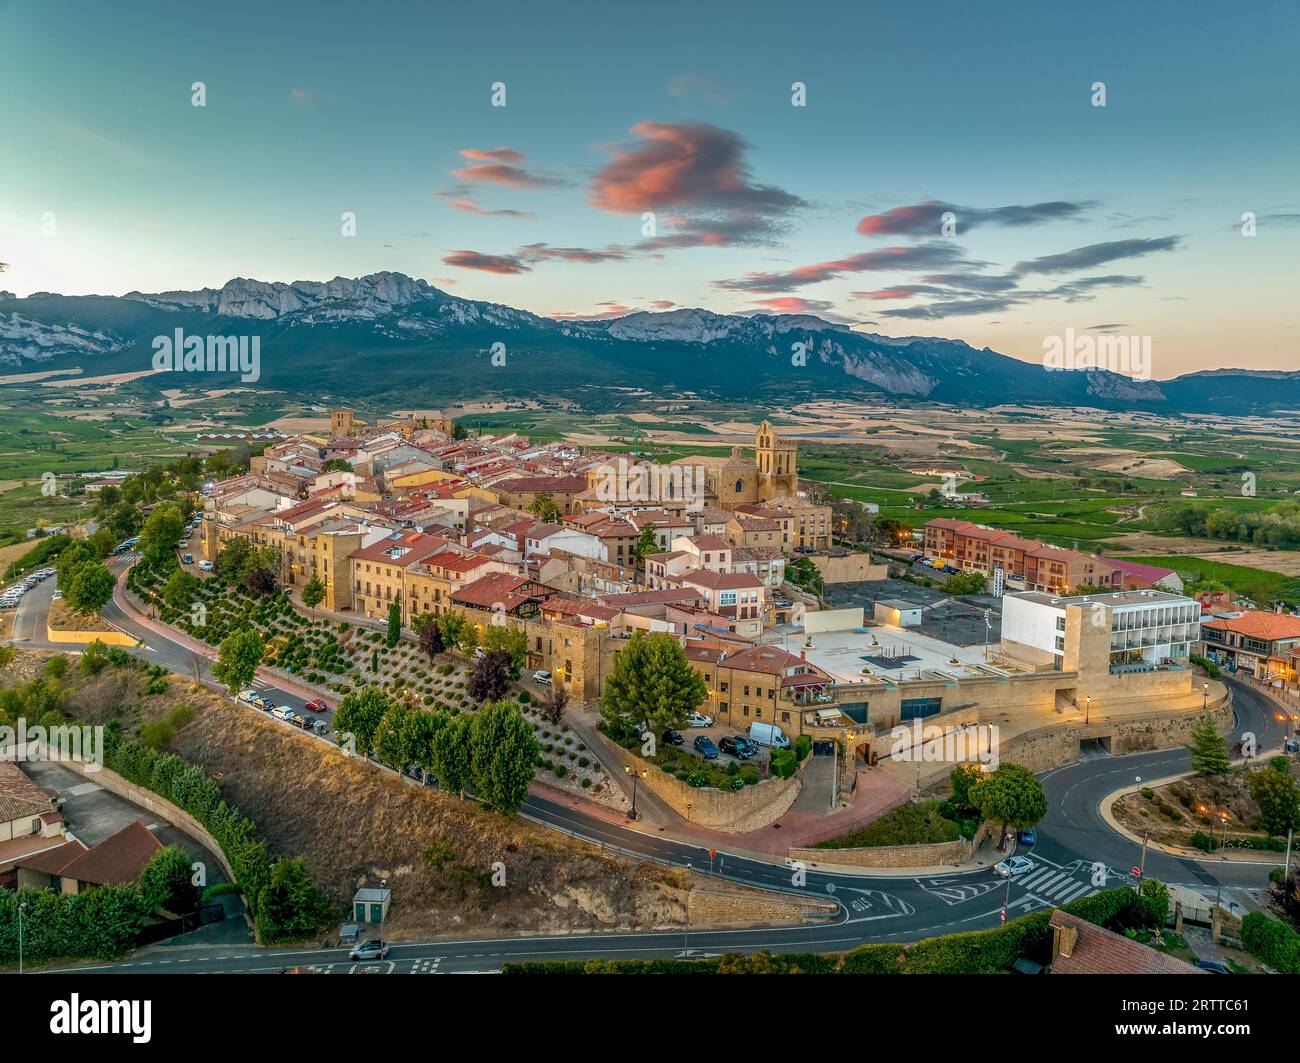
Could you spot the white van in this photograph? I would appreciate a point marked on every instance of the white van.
(768, 734)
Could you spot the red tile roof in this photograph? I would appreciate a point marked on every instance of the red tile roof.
(1097, 950)
(118, 860)
(1259, 624)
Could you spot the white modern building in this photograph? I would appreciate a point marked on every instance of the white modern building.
(1147, 627)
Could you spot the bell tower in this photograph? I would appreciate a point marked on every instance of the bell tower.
(775, 457)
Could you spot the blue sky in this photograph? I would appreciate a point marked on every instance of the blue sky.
(1067, 215)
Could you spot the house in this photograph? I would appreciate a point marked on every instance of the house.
(1254, 641)
(1036, 565)
(1137, 577)
(1080, 947)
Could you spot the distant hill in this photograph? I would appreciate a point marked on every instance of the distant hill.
(387, 334)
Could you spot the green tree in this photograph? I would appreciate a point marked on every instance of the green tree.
(544, 508)
(71, 558)
(179, 588)
(232, 558)
(166, 881)
(1278, 798)
(238, 658)
(395, 736)
(394, 622)
(1209, 750)
(90, 588)
(336, 465)
(652, 683)
(646, 543)
(360, 714)
(467, 639)
(451, 625)
(961, 779)
(314, 593)
(509, 640)
(503, 752)
(451, 756)
(163, 529)
(1012, 796)
(290, 906)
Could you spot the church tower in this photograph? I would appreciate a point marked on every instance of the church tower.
(777, 474)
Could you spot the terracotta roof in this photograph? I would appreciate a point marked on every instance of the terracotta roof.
(769, 659)
(500, 587)
(1259, 624)
(413, 547)
(721, 580)
(659, 597)
(53, 861)
(20, 797)
(118, 860)
(710, 542)
(541, 484)
(1097, 950)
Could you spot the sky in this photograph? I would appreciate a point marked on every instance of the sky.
(948, 172)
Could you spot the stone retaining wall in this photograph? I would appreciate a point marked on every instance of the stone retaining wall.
(734, 812)
(930, 854)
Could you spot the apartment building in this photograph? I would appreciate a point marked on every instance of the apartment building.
(738, 596)
(379, 571)
(752, 684)
(1025, 563)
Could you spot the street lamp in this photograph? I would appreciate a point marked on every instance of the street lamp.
(1087, 710)
(635, 776)
(21, 908)
(1205, 693)
(1223, 817)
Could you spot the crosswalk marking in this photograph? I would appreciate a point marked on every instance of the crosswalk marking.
(426, 966)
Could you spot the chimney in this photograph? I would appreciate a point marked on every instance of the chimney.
(1063, 938)
(803, 655)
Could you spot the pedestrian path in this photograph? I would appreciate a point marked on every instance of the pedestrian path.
(1056, 885)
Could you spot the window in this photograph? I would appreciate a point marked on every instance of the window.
(919, 708)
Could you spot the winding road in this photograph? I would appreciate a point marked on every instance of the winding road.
(1072, 841)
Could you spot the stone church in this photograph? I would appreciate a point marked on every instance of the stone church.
(737, 480)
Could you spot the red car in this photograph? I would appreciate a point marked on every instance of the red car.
(317, 706)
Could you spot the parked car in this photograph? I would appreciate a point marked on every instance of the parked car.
(320, 727)
(266, 704)
(1017, 865)
(369, 950)
(705, 747)
(698, 719)
(317, 706)
(299, 720)
(768, 734)
(671, 738)
(250, 697)
(736, 747)
(542, 677)
(205, 566)
(282, 712)
(1214, 966)
(188, 559)
(1027, 837)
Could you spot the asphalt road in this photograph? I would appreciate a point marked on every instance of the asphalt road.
(1072, 841)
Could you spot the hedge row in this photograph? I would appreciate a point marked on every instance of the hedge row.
(1276, 944)
(189, 787)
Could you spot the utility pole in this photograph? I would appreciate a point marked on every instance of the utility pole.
(1142, 864)
(1286, 867)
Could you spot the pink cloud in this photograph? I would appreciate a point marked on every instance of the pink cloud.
(501, 264)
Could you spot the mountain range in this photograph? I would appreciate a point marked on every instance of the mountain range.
(388, 335)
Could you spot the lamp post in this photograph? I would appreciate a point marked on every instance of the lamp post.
(1087, 710)
(635, 776)
(1205, 694)
(21, 908)
(1223, 817)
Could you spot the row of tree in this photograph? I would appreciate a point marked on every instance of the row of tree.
(491, 752)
